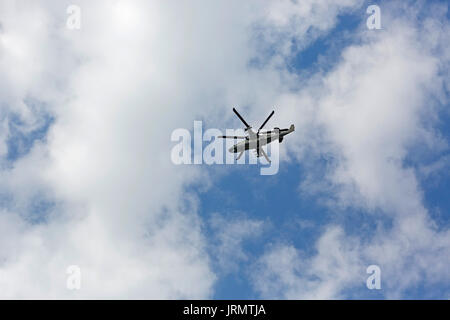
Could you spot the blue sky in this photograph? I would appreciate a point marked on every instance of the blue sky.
(278, 199)
(86, 177)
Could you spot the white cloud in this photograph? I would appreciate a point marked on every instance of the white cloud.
(229, 235)
(301, 22)
(116, 88)
(285, 272)
(136, 71)
(366, 116)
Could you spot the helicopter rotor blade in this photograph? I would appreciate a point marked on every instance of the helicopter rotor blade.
(232, 137)
(264, 123)
(242, 119)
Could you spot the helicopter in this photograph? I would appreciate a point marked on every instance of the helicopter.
(256, 140)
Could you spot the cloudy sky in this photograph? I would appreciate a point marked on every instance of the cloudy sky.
(86, 177)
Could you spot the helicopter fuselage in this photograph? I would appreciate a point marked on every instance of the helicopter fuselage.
(254, 141)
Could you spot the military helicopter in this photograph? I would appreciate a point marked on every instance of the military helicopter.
(255, 140)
